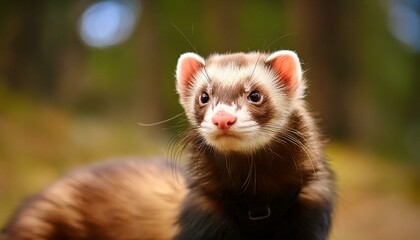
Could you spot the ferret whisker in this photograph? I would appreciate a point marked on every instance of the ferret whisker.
(227, 167)
(276, 40)
(178, 126)
(254, 174)
(298, 143)
(186, 38)
(178, 144)
(293, 156)
(247, 181)
(193, 47)
(255, 65)
(160, 122)
(295, 141)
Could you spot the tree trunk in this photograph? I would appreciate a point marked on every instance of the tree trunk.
(329, 45)
(150, 89)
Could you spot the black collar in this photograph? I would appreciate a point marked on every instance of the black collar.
(258, 209)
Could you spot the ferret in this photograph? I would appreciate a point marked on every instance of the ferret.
(256, 166)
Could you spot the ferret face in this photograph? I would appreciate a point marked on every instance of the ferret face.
(239, 102)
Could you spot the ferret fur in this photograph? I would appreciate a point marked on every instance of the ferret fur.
(124, 199)
(262, 175)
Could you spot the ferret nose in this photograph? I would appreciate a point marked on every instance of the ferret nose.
(223, 120)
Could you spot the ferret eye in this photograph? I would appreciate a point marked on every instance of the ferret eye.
(255, 97)
(204, 98)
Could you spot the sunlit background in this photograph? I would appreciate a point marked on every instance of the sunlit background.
(77, 76)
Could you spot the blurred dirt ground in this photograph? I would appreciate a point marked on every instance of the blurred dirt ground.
(378, 199)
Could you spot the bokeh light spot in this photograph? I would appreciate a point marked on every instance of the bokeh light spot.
(108, 23)
(404, 22)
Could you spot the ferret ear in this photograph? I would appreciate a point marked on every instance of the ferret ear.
(188, 65)
(286, 65)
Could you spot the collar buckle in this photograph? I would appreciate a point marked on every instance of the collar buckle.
(259, 214)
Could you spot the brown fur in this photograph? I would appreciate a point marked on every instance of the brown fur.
(143, 199)
(130, 199)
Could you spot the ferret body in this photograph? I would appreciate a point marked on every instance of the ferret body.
(124, 199)
(257, 169)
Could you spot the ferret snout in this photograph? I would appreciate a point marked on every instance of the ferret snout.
(223, 120)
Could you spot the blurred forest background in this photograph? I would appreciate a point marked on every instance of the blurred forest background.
(77, 76)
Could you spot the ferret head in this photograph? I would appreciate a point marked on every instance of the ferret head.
(239, 102)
